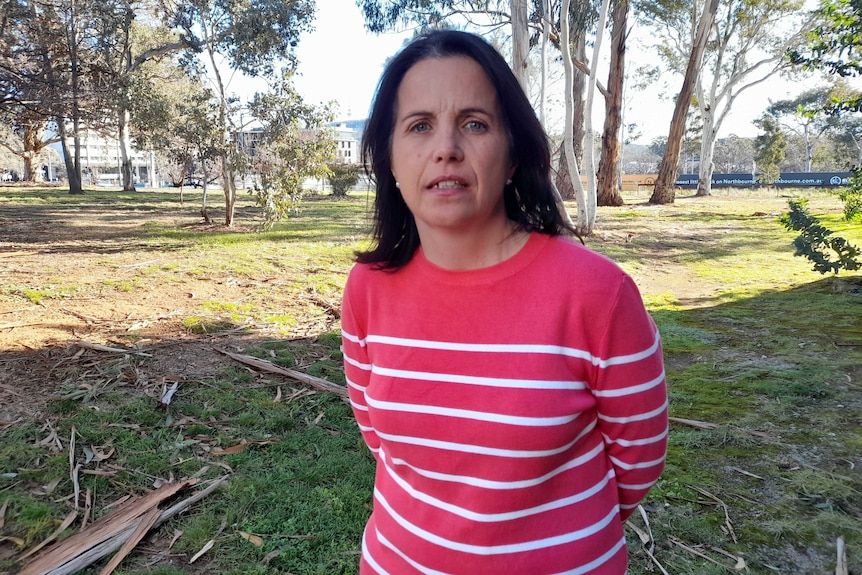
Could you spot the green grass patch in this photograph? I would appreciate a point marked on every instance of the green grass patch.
(762, 355)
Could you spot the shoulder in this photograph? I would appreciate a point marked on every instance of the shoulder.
(574, 260)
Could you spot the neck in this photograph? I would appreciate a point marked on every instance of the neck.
(469, 250)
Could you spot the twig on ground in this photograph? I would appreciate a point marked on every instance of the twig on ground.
(728, 525)
(647, 539)
(98, 347)
(841, 567)
(315, 382)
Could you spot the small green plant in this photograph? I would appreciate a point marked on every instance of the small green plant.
(828, 253)
(342, 177)
(852, 195)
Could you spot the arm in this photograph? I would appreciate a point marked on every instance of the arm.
(357, 368)
(632, 397)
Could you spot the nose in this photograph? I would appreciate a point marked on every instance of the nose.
(448, 148)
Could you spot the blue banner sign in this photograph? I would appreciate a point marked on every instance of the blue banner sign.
(786, 180)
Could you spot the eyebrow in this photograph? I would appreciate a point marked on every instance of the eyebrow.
(462, 112)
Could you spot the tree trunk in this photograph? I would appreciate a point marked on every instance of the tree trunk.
(665, 183)
(72, 169)
(520, 42)
(229, 195)
(579, 84)
(568, 135)
(588, 220)
(707, 152)
(125, 144)
(608, 191)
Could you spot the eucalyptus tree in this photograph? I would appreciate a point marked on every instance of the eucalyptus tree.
(660, 13)
(805, 115)
(295, 145)
(25, 122)
(608, 191)
(44, 74)
(131, 33)
(834, 45)
(246, 37)
(747, 43)
(770, 149)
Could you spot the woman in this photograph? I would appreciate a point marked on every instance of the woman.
(508, 381)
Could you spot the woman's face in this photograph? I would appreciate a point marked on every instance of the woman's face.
(450, 150)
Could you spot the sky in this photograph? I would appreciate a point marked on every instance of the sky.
(341, 61)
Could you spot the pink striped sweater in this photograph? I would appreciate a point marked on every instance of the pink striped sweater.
(518, 413)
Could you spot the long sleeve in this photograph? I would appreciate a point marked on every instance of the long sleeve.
(357, 367)
(632, 398)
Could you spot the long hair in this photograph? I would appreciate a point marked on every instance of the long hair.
(529, 199)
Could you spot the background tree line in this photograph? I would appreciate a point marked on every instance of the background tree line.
(151, 71)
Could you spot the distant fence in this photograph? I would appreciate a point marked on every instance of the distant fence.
(786, 180)
(638, 182)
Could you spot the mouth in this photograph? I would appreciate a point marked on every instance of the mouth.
(447, 185)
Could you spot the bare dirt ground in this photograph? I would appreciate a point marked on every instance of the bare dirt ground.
(72, 274)
(71, 277)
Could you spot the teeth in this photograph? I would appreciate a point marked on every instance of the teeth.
(448, 185)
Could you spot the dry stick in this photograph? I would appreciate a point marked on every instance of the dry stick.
(98, 347)
(676, 541)
(694, 423)
(315, 382)
(841, 565)
(723, 506)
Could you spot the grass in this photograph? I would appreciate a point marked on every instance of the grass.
(760, 346)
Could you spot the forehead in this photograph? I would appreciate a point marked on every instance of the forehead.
(448, 81)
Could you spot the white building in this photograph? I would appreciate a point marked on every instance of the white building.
(101, 160)
(348, 139)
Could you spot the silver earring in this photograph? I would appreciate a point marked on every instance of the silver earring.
(398, 185)
(509, 182)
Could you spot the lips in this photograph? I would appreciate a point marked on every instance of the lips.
(447, 183)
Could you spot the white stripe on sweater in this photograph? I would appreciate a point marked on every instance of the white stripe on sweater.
(597, 451)
(507, 348)
(474, 380)
(493, 517)
(487, 550)
(470, 414)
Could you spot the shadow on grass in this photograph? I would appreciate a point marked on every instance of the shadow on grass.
(777, 372)
(779, 375)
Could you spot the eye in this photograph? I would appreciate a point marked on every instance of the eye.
(420, 127)
(476, 126)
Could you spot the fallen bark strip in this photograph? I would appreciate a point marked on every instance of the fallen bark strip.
(99, 347)
(263, 365)
(708, 425)
(143, 527)
(109, 533)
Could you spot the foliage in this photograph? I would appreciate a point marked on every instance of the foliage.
(250, 37)
(769, 149)
(815, 242)
(852, 195)
(294, 146)
(835, 44)
(342, 176)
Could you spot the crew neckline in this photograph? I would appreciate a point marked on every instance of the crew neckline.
(508, 267)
